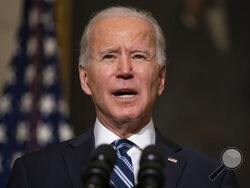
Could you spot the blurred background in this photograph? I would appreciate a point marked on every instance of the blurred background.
(206, 102)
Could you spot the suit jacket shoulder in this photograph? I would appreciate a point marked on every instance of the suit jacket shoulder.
(59, 165)
(188, 168)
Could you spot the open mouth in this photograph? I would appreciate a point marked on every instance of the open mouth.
(124, 93)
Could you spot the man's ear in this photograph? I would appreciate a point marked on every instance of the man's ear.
(162, 77)
(83, 75)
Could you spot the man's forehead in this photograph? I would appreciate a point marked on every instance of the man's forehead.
(132, 28)
(117, 24)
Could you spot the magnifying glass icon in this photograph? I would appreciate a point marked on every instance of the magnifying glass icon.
(231, 159)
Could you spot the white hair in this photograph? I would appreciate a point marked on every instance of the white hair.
(120, 11)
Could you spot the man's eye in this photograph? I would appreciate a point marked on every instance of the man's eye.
(138, 56)
(108, 56)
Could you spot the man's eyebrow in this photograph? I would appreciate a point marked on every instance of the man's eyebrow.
(108, 50)
(142, 50)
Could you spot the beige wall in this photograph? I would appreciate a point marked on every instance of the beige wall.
(9, 22)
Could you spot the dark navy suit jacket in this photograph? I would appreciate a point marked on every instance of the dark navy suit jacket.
(60, 166)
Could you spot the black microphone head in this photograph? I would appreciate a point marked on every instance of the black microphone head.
(105, 153)
(152, 168)
(101, 164)
(152, 153)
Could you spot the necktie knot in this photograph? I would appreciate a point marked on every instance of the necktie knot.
(123, 144)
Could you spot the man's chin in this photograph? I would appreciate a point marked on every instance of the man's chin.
(125, 118)
(128, 117)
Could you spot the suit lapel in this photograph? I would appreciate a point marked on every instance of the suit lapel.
(80, 149)
(77, 156)
(174, 163)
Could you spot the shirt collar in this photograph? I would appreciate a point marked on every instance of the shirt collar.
(144, 138)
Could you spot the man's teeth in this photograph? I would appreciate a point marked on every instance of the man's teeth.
(126, 96)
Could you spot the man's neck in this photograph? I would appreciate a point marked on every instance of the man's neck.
(124, 128)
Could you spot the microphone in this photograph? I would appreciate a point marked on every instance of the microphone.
(152, 168)
(97, 173)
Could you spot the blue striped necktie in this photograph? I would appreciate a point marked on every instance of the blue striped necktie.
(123, 173)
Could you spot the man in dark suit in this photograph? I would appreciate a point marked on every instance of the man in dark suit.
(122, 66)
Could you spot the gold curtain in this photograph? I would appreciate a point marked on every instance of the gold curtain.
(63, 17)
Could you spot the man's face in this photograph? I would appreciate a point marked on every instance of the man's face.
(123, 75)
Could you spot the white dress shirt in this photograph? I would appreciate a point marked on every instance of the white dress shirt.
(142, 139)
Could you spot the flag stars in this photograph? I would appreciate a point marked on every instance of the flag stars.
(44, 134)
(26, 102)
(47, 21)
(34, 15)
(22, 132)
(64, 132)
(32, 45)
(5, 104)
(63, 107)
(47, 104)
(10, 76)
(3, 137)
(49, 76)
(50, 46)
(29, 73)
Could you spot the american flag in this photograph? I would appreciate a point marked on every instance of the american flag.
(33, 113)
(172, 160)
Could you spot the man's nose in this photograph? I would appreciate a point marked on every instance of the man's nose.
(125, 68)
